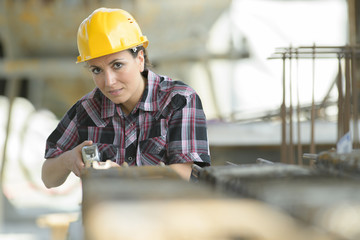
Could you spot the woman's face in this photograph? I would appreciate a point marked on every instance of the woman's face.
(119, 78)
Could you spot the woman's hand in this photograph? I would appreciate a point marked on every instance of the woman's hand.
(183, 169)
(56, 170)
(104, 165)
(73, 158)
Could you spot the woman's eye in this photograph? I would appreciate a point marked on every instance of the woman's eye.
(118, 65)
(95, 70)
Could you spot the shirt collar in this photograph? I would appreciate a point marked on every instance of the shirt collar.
(107, 108)
(149, 99)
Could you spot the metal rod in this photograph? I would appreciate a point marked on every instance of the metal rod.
(321, 52)
(291, 142)
(277, 113)
(322, 47)
(283, 116)
(298, 111)
(327, 95)
(312, 144)
(347, 94)
(263, 161)
(292, 52)
(307, 57)
(318, 51)
(347, 104)
(310, 156)
(231, 164)
(355, 100)
(340, 125)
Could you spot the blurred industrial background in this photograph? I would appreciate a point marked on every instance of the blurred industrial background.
(279, 83)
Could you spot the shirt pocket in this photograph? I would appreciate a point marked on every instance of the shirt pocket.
(96, 134)
(153, 150)
(107, 151)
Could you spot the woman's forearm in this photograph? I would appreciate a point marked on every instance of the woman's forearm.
(54, 171)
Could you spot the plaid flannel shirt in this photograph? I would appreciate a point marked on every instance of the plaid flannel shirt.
(167, 125)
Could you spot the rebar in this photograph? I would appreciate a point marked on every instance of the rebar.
(347, 101)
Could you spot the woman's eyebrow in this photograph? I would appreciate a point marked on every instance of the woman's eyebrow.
(115, 60)
(92, 66)
(110, 63)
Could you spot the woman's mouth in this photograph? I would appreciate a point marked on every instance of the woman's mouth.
(115, 92)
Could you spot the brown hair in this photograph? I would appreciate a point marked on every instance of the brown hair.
(135, 51)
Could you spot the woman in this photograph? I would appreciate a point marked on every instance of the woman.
(133, 115)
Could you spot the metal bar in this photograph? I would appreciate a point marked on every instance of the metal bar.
(283, 117)
(327, 95)
(322, 47)
(42, 68)
(312, 144)
(291, 142)
(309, 57)
(231, 164)
(352, 21)
(347, 104)
(310, 156)
(263, 161)
(340, 125)
(347, 98)
(298, 111)
(277, 113)
(321, 52)
(317, 52)
(355, 101)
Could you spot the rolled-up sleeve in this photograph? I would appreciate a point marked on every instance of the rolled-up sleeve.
(187, 134)
(64, 137)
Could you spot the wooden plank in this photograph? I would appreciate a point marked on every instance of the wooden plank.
(194, 219)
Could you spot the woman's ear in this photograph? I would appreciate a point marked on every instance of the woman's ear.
(141, 59)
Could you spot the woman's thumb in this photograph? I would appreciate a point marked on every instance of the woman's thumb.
(86, 143)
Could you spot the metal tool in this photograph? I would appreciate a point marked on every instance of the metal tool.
(90, 154)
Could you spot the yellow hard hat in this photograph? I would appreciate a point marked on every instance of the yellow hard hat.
(107, 31)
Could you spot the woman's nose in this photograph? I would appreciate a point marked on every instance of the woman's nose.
(110, 78)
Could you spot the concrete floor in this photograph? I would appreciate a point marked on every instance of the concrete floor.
(21, 224)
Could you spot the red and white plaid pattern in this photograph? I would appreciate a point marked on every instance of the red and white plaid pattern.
(167, 125)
